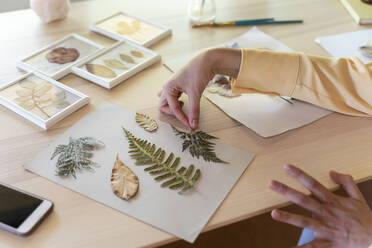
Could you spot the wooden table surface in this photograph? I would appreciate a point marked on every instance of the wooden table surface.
(336, 142)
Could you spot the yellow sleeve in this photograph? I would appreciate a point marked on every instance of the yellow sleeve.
(343, 85)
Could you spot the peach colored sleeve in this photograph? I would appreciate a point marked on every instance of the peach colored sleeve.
(343, 85)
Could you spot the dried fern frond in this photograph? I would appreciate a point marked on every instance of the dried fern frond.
(75, 155)
(145, 153)
(146, 122)
(199, 145)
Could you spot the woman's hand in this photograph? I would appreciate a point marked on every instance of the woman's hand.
(337, 221)
(192, 80)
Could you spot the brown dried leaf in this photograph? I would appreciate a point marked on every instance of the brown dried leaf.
(100, 70)
(124, 182)
(146, 122)
(127, 58)
(114, 63)
(62, 55)
(137, 54)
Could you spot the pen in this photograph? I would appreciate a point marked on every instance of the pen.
(265, 21)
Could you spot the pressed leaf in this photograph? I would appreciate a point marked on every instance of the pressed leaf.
(124, 182)
(146, 122)
(114, 63)
(127, 58)
(124, 28)
(27, 84)
(23, 98)
(199, 145)
(75, 156)
(147, 154)
(29, 105)
(100, 70)
(136, 25)
(24, 92)
(137, 54)
(45, 98)
(42, 88)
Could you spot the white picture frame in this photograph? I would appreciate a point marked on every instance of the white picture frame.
(24, 65)
(166, 30)
(46, 123)
(109, 83)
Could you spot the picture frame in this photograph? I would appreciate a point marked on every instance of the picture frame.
(49, 95)
(55, 70)
(163, 31)
(114, 54)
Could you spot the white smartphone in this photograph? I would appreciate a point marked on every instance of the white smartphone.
(21, 211)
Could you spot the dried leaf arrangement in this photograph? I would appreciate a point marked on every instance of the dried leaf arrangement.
(145, 153)
(146, 122)
(221, 85)
(75, 155)
(106, 72)
(62, 55)
(124, 182)
(125, 28)
(34, 95)
(199, 145)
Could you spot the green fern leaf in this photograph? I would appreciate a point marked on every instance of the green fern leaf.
(199, 145)
(145, 153)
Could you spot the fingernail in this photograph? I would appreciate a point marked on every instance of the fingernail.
(194, 123)
(275, 213)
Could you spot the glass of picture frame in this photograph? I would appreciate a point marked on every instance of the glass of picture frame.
(40, 99)
(56, 59)
(122, 26)
(116, 64)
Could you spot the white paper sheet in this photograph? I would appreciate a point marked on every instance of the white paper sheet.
(346, 44)
(265, 115)
(181, 215)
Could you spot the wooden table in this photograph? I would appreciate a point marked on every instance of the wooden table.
(336, 142)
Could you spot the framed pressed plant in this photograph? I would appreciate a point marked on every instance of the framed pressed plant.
(40, 99)
(122, 26)
(56, 59)
(116, 64)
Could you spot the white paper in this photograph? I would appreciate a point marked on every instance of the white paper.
(347, 44)
(265, 115)
(181, 215)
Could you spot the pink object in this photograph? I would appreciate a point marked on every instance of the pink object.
(50, 10)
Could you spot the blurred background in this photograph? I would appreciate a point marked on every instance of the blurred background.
(11, 5)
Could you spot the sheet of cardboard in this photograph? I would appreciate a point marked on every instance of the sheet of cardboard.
(266, 115)
(347, 44)
(181, 215)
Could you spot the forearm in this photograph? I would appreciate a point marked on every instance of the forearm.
(225, 61)
(342, 85)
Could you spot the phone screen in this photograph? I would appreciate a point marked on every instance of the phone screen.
(16, 206)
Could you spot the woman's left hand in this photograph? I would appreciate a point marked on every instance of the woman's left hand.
(337, 221)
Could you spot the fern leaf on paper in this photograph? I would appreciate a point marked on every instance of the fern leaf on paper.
(199, 145)
(146, 122)
(166, 170)
(75, 155)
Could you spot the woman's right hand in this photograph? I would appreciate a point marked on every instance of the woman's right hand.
(192, 80)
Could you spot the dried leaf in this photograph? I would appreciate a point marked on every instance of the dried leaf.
(100, 70)
(27, 84)
(146, 122)
(45, 98)
(136, 25)
(61, 55)
(127, 58)
(29, 105)
(23, 98)
(147, 154)
(42, 88)
(24, 92)
(124, 182)
(124, 28)
(137, 54)
(114, 63)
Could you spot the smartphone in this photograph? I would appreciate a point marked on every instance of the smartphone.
(21, 211)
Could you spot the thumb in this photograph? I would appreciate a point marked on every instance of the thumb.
(194, 111)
